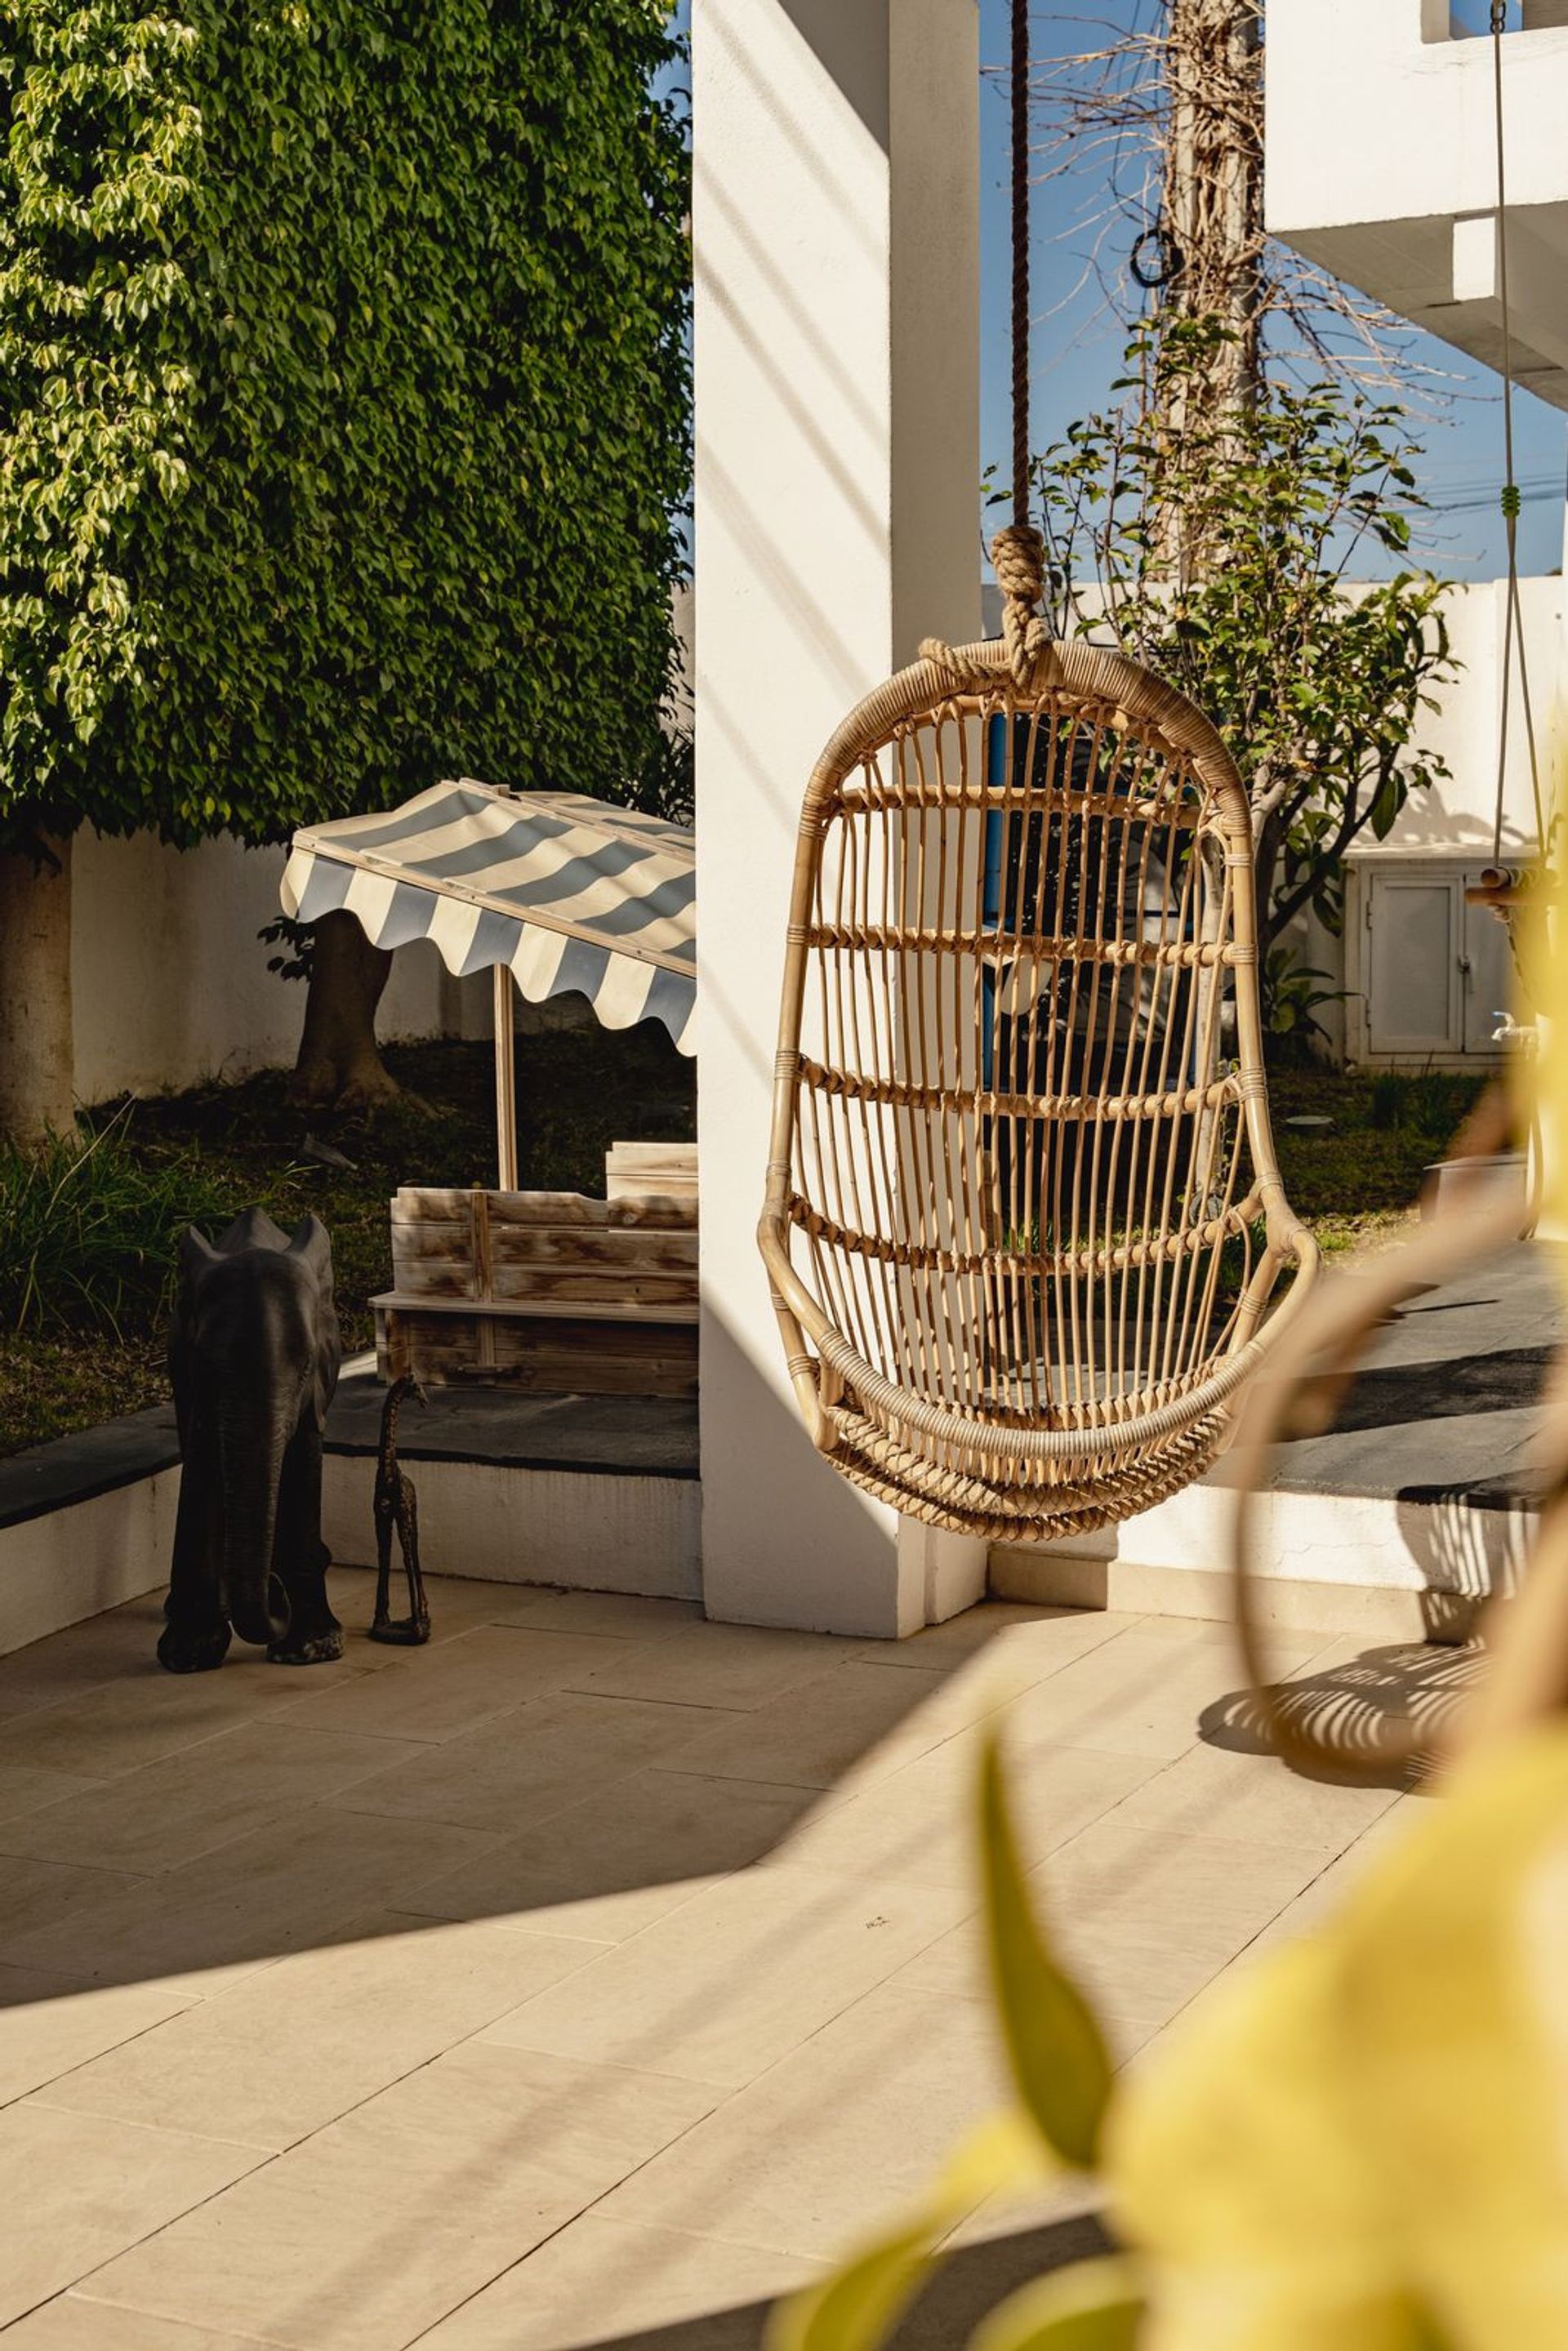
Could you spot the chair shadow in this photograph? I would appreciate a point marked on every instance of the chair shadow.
(1355, 1707)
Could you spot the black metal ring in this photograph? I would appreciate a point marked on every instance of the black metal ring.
(1167, 260)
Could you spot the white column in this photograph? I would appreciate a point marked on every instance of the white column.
(835, 215)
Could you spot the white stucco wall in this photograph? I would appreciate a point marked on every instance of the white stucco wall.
(169, 980)
(1382, 167)
(1464, 727)
(835, 217)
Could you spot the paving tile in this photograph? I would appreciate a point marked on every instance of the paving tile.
(844, 2131)
(737, 1977)
(1211, 1791)
(602, 2281)
(611, 1866)
(854, 1715)
(72, 2323)
(298, 2044)
(1143, 1920)
(82, 1658)
(1015, 1632)
(248, 1902)
(1142, 1693)
(189, 1803)
(439, 1693)
(1319, 1901)
(51, 2024)
(618, 1614)
(362, 2237)
(733, 1666)
(88, 2189)
(530, 1764)
(24, 1790)
(918, 1824)
(145, 1714)
(40, 1896)
(458, 1604)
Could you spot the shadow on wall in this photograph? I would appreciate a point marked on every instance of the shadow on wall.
(1467, 1548)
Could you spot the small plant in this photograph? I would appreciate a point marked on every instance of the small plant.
(1387, 1109)
(1430, 1104)
(89, 1228)
(1293, 1001)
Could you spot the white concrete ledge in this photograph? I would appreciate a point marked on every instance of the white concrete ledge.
(1391, 1567)
(587, 1530)
(68, 1563)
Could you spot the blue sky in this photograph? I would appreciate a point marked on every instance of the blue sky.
(1077, 345)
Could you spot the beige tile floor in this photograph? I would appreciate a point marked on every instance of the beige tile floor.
(587, 1978)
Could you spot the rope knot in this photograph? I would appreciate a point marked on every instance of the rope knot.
(1018, 552)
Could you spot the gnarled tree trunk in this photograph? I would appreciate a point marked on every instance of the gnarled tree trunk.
(339, 1065)
(37, 1062)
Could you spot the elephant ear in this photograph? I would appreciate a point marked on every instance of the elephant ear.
(312, 1244)
(197, 1254)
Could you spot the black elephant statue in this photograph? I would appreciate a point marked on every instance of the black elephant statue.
(254, 1354)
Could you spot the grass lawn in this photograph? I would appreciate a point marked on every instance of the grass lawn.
(69, 1359)
(1356, 1182)
(205, 1156)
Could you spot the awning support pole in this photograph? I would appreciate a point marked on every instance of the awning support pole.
(505, 1082)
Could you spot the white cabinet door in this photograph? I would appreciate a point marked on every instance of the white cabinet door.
(1415, 946)
(1486, 973)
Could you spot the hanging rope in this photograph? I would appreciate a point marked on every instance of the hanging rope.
(1514, 619)
(1019, 551)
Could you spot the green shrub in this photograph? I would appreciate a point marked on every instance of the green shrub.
(343, 404)
(87, 1234)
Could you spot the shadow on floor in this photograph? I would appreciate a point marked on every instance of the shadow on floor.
(158, 1826)
(1356, 1706)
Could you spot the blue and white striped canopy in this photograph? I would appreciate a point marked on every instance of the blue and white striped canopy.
(568, 894)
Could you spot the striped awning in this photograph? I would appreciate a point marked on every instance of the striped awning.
(568, 894)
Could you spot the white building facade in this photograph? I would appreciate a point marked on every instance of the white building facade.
(1382, 168)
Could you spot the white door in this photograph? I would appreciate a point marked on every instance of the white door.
(1414, 947)
(1486, 974)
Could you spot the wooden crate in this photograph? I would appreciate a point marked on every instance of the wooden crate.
(549, 1291)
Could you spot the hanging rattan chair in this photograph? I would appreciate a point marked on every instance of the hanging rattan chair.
(1024, 1218)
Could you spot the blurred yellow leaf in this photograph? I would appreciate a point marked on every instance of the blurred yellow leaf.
(1454, 1954)
(856, 2308)
(1055, 2047)
(1361, 2144)
(1540, 1077)
(1233, 2161)
(1094, 2306)
(858, 2305)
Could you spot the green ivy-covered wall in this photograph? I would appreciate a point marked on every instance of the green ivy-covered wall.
(344, 410)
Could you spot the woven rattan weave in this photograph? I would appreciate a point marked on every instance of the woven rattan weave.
(1024, 1218)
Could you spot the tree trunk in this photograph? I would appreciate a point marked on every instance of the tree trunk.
(37, 1062)
(1212, 201)
(339, 1065)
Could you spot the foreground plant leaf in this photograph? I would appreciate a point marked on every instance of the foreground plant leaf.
(1094, 2306)
(1362, 2144)
(1055, 2047)
(859, 2305)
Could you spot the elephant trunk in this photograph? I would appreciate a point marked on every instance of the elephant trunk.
(251, 1465)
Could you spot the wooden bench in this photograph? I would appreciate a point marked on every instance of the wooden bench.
(550, 1292)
